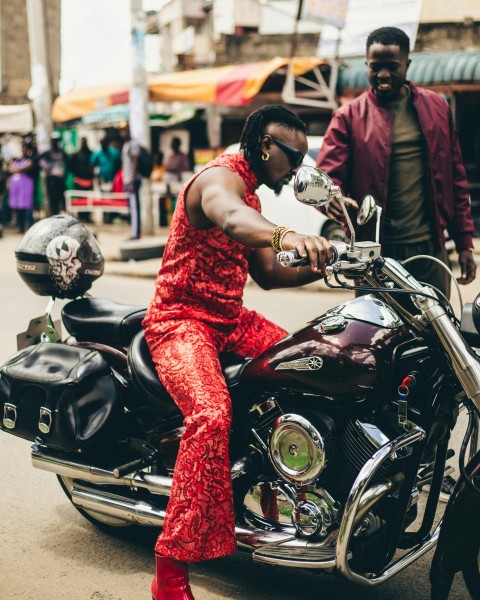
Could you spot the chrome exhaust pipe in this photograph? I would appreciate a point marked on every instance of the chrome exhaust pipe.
(281, 546)
(70, 465)
(120, 507)
(143, 513)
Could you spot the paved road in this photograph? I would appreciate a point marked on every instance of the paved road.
(49, 552)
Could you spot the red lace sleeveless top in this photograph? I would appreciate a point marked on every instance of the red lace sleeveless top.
(203, 271)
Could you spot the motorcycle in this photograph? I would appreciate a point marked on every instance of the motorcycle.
(336, 429)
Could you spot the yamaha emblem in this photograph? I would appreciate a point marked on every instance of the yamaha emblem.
(310, 363)
(315, 363)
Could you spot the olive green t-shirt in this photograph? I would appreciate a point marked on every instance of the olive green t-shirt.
(406, 215)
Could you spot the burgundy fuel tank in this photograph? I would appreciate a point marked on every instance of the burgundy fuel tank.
(344, 355)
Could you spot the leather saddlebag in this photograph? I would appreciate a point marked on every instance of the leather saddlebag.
(64, 395)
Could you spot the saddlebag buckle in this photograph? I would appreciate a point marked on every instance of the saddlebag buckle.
(45, 420)
(9, 415)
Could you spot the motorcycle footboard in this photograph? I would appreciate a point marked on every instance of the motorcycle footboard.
(299, 553)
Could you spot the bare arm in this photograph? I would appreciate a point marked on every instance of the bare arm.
(216, 197)
(24, 169)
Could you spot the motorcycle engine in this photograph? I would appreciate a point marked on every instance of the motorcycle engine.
(297, 445)
(302, 488)
(296, 449)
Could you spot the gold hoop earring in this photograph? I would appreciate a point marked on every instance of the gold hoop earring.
(265, 156)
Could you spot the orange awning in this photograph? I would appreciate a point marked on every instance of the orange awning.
(77, 103)
(232, 85)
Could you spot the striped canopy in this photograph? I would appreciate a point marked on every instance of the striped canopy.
(232, 85)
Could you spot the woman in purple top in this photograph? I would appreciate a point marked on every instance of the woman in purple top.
(21, 186)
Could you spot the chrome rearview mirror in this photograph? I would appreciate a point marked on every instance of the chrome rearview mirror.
(367, 210)
(315, 188)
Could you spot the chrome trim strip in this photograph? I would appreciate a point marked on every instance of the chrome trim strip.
(308, 363)
(416, 434)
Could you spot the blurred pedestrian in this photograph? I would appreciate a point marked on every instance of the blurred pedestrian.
(32, 153)
(398, 143)
(106, 162)
(3, 188)
(81, 168)
(177, 162)
(21, 188)
(159, 169)
(53, 163)
(132, 181)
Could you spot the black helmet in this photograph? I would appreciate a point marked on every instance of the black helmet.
(59, 257)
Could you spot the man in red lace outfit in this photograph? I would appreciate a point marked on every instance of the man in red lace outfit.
(217, 238)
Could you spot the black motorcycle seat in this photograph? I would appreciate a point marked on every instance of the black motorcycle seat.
(102, 320)
(145, 379)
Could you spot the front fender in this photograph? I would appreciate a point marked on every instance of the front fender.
(459, 539)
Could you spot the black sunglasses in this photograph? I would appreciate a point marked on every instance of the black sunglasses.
(295, 157)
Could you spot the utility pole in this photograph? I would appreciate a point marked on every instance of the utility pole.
(293, 45)
(40, 93)
(139, 125)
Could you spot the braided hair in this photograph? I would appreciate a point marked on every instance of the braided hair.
(251, 138)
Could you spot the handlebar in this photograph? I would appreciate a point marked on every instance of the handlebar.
(344, 257)
(360, 259)
(291, 258)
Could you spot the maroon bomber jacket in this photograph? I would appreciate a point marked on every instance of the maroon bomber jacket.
(356, 154)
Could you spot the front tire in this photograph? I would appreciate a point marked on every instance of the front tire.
(334, 231)
(472, 578)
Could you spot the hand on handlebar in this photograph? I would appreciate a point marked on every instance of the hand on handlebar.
(317, 249)
(334, 211)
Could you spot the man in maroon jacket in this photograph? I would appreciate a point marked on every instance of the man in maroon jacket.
(398, 143)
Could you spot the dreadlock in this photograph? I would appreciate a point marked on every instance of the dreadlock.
(251, 138)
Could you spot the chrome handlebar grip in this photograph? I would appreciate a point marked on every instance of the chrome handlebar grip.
(290, 258)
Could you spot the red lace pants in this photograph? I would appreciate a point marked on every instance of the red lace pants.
(199, 523)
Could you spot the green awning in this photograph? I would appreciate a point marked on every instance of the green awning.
(427, 68)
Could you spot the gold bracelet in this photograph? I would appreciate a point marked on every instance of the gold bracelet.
(282, 235)
(276, 236)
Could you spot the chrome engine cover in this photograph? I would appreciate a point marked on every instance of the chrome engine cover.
(296, 449)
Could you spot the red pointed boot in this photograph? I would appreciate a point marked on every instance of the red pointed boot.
(171, 580)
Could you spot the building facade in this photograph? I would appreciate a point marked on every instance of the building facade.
(15, 75)
(202, 33)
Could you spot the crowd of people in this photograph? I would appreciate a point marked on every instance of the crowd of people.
(33, 184)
